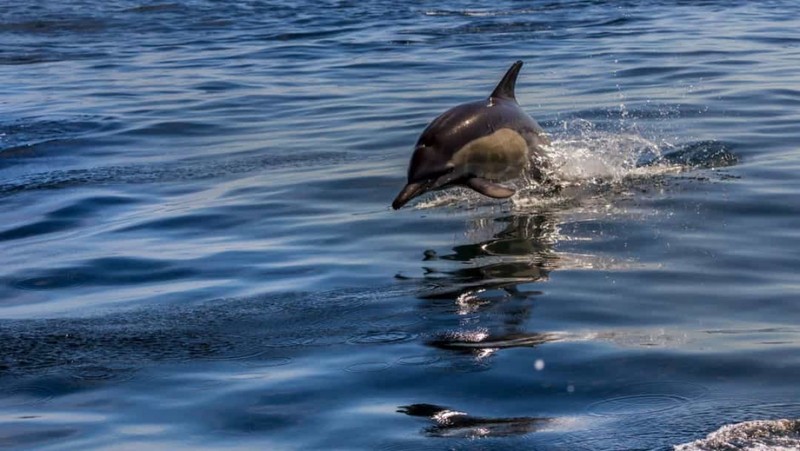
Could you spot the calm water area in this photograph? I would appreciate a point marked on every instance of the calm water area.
(197, 248)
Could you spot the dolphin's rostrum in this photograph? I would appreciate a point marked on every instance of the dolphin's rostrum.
(477, 144)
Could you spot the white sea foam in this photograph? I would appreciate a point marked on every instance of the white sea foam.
(480, 12)
(759, 435)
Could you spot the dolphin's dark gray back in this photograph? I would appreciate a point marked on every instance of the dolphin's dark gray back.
(467, 122)
(470, 121)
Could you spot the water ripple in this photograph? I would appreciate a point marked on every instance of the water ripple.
(195, 226)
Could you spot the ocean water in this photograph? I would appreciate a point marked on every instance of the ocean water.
(198, 250)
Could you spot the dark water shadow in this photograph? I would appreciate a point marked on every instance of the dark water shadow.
(697, 155)
(452, 423)
(186, 171)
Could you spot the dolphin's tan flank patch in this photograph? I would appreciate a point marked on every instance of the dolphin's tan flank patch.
(503, 155)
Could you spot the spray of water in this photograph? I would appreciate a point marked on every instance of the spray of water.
(585, 154)
(583, 159)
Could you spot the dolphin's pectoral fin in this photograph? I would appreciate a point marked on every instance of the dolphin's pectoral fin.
(488, 188)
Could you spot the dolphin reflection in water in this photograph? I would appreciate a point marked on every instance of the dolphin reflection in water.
(494, 280)
(521, 253)
(452, 423)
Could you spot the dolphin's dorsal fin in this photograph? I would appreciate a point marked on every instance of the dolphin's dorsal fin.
(505, 89)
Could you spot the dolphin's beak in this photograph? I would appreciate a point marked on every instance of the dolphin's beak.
(410, 191)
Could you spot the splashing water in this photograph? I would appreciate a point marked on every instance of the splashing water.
(581, 156)
(758, 435)
(586, 154)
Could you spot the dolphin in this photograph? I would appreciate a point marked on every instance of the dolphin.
(477, 144)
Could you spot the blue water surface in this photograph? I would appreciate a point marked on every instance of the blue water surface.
(198, 250)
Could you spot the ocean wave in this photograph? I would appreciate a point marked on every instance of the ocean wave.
(757, 435)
